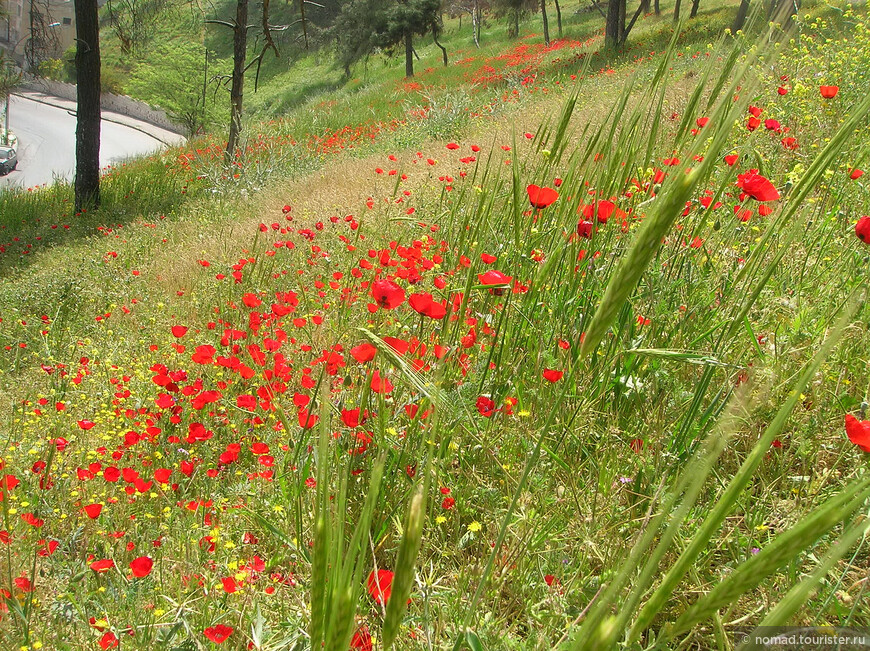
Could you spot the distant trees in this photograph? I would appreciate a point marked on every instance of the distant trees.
(182, 90)
(353, 33)
(365, 25)
(513, 10)
(87, 180)
(240, 27)
(404, 19)
(131, 21)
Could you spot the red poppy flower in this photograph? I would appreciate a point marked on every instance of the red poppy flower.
(93, 510)
(179, 331)
(485, 406)
(752, 123)
(424, 304)
(829, 92)
(108, 641)
(103, 565)
(486, 258)
(604, 211)
(856, 174)
(380, 384)
(219, 633)
(141, 566)
(541, 197)
(452, 145)
(858, 432)
(86, 424)
(380, 585)
(757, 187)
(552, 375)
(584, 229)
(361, 640)
(363, 353)
(494, 277)
(862, 229)
(387, 294)
(731, 159)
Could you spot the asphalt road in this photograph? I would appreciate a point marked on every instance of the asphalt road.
(46, 142)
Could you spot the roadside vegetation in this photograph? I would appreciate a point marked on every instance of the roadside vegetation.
(549, 348)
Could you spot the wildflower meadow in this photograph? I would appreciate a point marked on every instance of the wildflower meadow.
(579, 366)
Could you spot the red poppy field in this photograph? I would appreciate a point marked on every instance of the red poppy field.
(598, 384)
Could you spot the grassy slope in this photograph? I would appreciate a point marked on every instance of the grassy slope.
(143, 270)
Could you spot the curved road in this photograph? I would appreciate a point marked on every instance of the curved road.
(46, 140)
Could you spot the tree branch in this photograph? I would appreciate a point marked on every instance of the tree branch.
(600, 10)
(631, 24)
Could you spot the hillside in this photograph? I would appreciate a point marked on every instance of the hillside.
(548, 349)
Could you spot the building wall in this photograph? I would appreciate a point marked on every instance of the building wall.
(56, 17)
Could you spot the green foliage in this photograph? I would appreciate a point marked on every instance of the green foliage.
(183, 90)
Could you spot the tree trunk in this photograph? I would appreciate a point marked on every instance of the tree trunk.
(783, 12)
(546, 23)
(694, 11)
(615, 23)
(677, 11)
(409, 55)
(304, 24)
(516, 28)
(627, 28)
(87, 181)
(475, 22)
(438, 43)
(644, 6)
(740, 19)
(658, 9)
(240, 45)
(559, 18)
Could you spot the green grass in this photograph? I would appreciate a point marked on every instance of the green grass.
(686, 477)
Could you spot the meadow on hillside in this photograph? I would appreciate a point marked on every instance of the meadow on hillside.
(597, 382)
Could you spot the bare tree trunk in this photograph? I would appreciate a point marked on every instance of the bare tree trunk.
(644, 6)
(630, 26)
(658, 9)
(435, 30)
(304, 23)
(87, 181)
(558, 18)
(694, 11)
(240, 45)
(615, 23)
(546, 23)
(677, 11)
(740, 19)
(409, 55)
(475, 22)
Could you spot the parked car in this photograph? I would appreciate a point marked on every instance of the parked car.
(8, 160)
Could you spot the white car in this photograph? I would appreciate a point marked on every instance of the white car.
(8, 159)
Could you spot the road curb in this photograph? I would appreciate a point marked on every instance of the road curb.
(40, 99)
